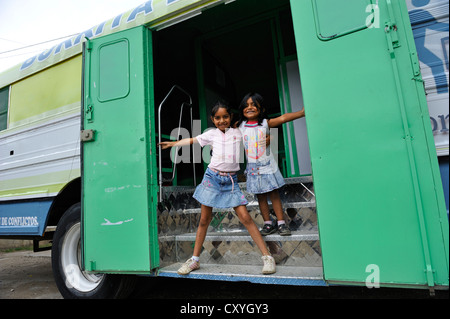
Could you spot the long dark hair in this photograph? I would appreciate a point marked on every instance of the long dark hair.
(259, 101)
(220, 104)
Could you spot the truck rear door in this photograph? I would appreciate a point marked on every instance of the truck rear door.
(118, 217)
(380, 205)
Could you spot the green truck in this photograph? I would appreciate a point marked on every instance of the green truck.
(363, 195)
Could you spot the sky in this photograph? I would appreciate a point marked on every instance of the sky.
(28, 22)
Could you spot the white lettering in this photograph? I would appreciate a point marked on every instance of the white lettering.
(373, 279)
(229, 155)
(19, 221)
(373, 19)
(246, 308)
(197, 309)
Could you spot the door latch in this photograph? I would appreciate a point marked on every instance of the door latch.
(392, 37)
(89, 113)
(87, 136)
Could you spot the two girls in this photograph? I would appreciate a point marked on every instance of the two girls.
(219, 187)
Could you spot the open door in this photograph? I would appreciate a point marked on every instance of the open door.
(298, 161)
(381, 211)
(118, 171)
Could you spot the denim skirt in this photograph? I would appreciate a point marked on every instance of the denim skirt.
(261, 181)
(219, 191)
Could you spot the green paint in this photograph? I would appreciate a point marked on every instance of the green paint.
(379, 199)
(119, 174)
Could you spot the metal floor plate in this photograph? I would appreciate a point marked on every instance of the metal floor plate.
(285, 275)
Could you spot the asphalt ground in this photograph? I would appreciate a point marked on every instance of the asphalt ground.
(28, 275)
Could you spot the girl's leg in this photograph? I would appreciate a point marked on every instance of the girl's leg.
(263, 206)
(283, 229)
(205, 220)
(269, 227)
(244, 217)
(248, 222)
(193, 264)
(276, 204)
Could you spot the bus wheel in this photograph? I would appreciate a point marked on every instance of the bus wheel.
(70, 278)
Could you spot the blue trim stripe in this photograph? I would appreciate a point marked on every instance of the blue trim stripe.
(24, 218)
(291, 281)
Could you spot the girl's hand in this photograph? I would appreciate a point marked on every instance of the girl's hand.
(267, 140)
(286, 118)
(183, 142)
(166, 145)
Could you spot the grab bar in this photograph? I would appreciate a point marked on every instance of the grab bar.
(179, 128)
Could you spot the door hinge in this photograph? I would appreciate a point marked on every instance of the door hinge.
(88, 44)
(430, 279)
(415, 64)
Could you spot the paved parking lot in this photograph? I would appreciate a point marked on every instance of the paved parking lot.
(28, 275)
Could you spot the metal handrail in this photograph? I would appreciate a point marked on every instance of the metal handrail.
(179, 128)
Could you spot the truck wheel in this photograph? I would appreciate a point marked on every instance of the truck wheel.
(71, 280)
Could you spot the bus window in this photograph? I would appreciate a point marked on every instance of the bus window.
(46, 93)
(4, 95)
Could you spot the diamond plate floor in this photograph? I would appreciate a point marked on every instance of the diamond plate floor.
(228, 249)
(285, 275)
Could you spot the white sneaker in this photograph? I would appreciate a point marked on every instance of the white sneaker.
(269, 265)
(188, 266)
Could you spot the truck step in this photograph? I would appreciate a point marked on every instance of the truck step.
(285, 275)
(301, 249)
(227, 241)
(185, 221)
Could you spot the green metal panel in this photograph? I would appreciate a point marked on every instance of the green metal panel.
(119, 216)
(379, 198)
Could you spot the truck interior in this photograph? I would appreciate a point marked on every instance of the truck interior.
(222, 54)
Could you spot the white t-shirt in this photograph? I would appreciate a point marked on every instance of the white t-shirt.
(225, 148)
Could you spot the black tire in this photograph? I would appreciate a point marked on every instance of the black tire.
(71, 281)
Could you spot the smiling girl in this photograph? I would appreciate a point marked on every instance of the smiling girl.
(263, 176)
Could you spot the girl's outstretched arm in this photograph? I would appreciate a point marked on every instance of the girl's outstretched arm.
(183, 142)
(286, 118)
